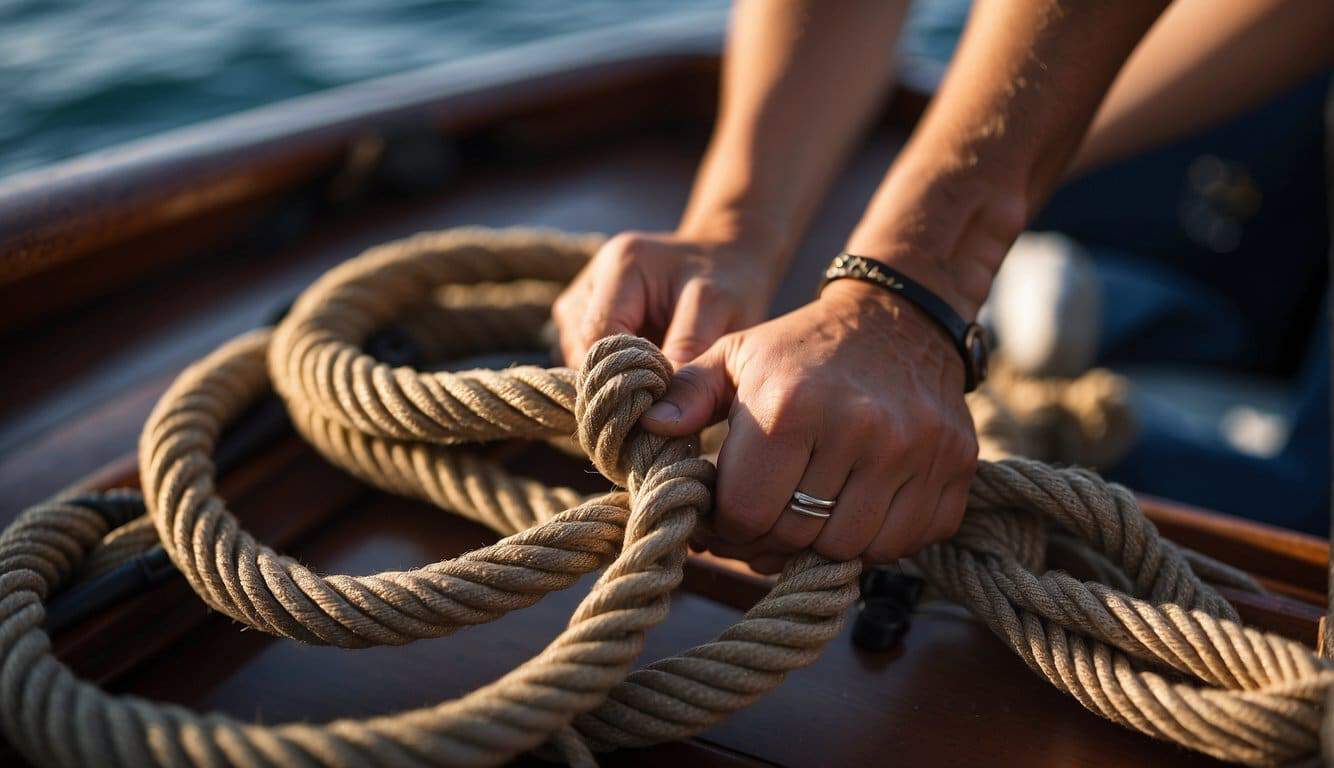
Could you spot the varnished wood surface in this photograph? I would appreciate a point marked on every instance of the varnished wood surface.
(951, 696)
(1283, 556)
(57, 221)
(950, 677)
(88, 382)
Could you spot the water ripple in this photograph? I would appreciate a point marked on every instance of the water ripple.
(78, 76)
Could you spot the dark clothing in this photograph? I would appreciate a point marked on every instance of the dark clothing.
(1212, 253)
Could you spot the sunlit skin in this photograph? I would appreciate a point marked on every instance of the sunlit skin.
(858, 395)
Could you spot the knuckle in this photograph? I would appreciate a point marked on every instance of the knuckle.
(839, 548)
(624, 247)
(950, 526)
(729, 344)
(865, 426)
(880, 554)
(560, 308)
(709, 293)
(881, 458)
(740, 522)
(968, 461)
(749, 527)
(789, 539)
(968, 453)
(591, 324)
(689, 345)
(927, 430)
(943, 525)
(841, 545)
(891, 440)
(596, 323)
(786, 410)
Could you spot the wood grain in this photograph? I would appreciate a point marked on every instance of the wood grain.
(1280, 555)
(952, 694)
(193, 240)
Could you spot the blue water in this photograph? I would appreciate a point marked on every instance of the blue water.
(79, 75)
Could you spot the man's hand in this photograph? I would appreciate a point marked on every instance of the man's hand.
(856, 396)
(682, 292)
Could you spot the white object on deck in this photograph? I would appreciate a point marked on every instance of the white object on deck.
(1046, 307)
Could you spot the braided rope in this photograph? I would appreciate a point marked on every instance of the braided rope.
(1168, 658)
(1176, 666)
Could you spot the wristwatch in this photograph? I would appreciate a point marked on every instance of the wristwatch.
(969, 338)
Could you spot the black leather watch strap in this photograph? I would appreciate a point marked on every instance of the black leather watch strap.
(968, 338)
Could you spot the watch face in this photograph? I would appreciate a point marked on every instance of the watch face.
(975, 341)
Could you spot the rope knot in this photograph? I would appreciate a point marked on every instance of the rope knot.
(621, 377)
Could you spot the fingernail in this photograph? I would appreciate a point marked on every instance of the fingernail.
(663, 411)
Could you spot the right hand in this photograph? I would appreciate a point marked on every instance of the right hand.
(681, 292)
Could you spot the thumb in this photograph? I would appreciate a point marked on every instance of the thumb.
(700, 394)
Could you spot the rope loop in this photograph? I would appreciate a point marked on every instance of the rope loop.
(397, 428)
(622, 376)
(1166, 656)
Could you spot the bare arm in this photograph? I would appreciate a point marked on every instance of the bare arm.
(800, 80)
(998, 137)
(1203, 62)
(857, 396)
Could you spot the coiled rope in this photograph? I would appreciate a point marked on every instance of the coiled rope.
(1167, 657)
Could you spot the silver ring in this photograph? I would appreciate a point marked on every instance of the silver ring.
(801, 509)
(808, 500)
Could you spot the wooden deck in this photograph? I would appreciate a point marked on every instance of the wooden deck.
(86, 365)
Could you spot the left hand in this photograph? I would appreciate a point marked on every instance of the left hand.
(856, 396)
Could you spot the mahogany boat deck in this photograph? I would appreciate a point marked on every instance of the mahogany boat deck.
(100, 307)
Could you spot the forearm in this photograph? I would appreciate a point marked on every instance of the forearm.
(1024, 85)
(1202, 63)
(800, 80)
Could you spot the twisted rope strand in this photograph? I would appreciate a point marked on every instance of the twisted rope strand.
(1166, 657)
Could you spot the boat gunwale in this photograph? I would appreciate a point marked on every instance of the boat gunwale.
(60, 213)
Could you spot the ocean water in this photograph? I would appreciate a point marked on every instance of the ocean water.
(80, 75)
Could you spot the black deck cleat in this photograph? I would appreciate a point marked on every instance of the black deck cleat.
(884, 614)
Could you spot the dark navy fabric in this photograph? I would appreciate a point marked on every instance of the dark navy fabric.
(1211, 253)
(1227, 273)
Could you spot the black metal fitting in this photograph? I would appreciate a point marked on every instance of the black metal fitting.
(884, 614)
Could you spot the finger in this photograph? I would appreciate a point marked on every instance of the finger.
(909, 517)
(696, 323)
(862, 505)
(615, 304)
(824, 478)
(700, 394)
(949, 513)
(566, 313)
(757, 470)
(703, 540)
(768, 564)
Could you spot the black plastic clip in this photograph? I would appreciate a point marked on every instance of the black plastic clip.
(884, 614)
